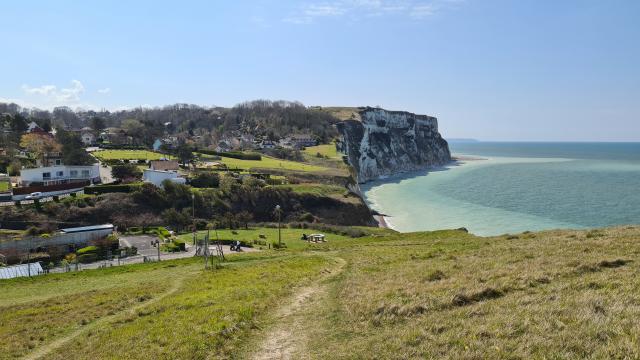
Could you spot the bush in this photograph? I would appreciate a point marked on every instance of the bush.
(87, 250)
(205, 180)
(87, 258)
(104, 189)
(233, 154)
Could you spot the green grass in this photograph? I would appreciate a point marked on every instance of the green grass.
(328, 150)
(445, 294)
(5, 186)
(290, 237)
(129, 155)
(270, 163)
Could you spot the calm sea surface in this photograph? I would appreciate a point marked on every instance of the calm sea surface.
(518, 187)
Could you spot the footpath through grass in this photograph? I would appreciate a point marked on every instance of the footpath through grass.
(446, 294)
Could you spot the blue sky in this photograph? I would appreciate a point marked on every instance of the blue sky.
(488, 69)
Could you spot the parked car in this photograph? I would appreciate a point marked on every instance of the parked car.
(34, 196)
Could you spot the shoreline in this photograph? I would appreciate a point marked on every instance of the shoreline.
(382, 222)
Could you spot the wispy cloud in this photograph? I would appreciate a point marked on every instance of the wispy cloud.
(52, 94)
(104, 91)
(355, 9)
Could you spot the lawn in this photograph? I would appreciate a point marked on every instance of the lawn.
(290, 237)
(129, 155)
(328, 150)
(271, 163)
(5, 186)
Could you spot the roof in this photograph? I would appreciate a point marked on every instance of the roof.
(87, 228)
(15, 271)
(164, 165)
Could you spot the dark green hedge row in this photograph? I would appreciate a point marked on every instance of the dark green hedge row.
(104, 189)
(233, 154)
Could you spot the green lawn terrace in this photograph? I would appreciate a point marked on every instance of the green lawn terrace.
(264, 238)
(312, 165)
(106, 155)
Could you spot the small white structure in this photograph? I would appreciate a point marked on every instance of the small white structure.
(87, 136)
(30, 269)
(156, 177)
(52, 175)
(316, 238)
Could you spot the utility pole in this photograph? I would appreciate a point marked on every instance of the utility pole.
(29, 256)
(193, 216)
(278, 212)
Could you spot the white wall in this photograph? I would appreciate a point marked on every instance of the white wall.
(156, 177)
(35, 175)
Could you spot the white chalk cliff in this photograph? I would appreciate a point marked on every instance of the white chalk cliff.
(383, 142)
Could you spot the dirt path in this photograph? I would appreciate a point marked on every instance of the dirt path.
(43, 351)
(288, 337)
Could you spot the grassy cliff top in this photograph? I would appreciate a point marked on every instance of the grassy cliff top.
(445, 294)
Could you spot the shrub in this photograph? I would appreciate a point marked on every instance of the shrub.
(105, 189)
(87, 250)
(233, 154)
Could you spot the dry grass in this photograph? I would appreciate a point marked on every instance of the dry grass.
(452, 295)
(447, 294)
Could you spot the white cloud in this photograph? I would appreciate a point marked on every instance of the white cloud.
(104, 91)
(355, 9)
(51, 93)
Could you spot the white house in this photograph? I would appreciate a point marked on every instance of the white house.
(62, 174)
(87, 136)
(156, 177)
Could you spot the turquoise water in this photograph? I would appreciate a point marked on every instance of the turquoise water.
(517, 187)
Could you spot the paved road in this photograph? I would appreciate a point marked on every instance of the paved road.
(42, 200)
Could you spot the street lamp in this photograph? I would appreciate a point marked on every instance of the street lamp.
(156, 243)
(278, 211)
(193, 216)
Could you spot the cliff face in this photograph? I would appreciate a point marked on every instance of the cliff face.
(385, 142)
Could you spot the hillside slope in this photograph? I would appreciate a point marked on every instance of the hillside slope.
(447, 294)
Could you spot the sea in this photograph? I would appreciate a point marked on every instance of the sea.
(510, 187)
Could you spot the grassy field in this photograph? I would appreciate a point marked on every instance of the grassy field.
(5, 186)
(446, 294)
(270, 163)
(328, 150)
(290, 237)
(128, 155)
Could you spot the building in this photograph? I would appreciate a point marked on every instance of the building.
(87, 136)
(164, 165)
(50, 159)
(62, 174)
(299, 141)
(268, 144)
(157, 177)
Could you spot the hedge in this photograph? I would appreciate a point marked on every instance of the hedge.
(87, 250)
(233, 154)
(104, 189)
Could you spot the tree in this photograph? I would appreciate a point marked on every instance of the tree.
(244, 217)
(97, 124)
(73, 152)
(229, 219)
(175, 218)
(126, 172)
(185, 153)
(39, 144)
(133, 128)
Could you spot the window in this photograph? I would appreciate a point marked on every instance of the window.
(85, 173)
(60, 173)
(73, 173)
(46, 175)
(58, 162)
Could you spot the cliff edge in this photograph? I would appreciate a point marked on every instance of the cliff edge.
(380, 142)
